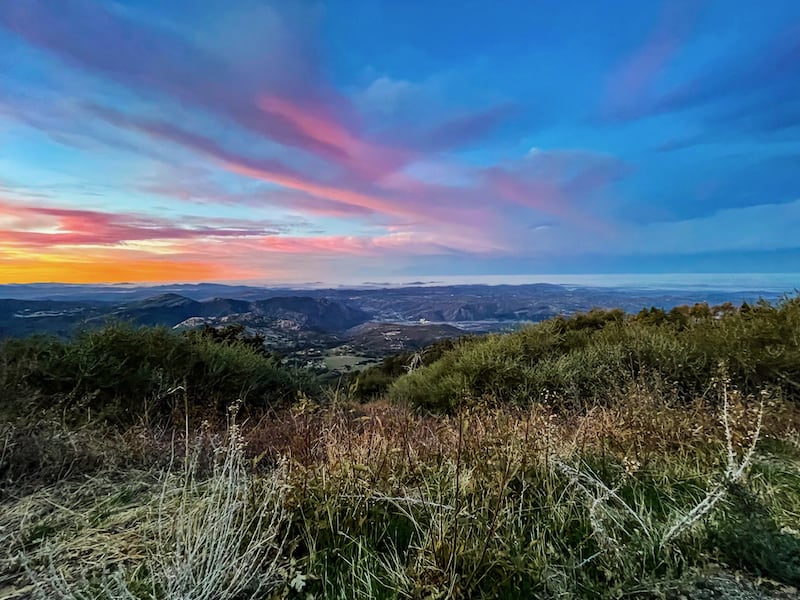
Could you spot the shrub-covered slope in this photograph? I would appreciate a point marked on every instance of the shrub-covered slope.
(592, 356)
(123, 373)
(637, 467)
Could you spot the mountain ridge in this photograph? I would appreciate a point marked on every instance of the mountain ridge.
(23, 317)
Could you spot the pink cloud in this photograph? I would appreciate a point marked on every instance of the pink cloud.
(286, 100)
(547, 182)
(352, 245)
(461, 211)
(318, 123)
(106, 41)
(321, 190)
(301, 110)
(560, 183)
(37, 226)
(315, 123)
(268, 170)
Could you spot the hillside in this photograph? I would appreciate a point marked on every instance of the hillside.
(331, 331)
(484, 306)
(23, 317)
(590, 358)
(604, 455)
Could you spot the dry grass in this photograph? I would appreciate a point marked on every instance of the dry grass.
(189, 536)
(380, 501)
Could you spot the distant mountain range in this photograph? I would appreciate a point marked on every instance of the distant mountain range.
(23, 317)
(312, 313)
(62, 309)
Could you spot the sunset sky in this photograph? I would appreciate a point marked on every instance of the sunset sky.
(357, 140)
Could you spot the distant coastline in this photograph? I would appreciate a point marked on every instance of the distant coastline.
(767, 282)
(772, 283)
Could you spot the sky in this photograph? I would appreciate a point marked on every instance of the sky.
(358, 140)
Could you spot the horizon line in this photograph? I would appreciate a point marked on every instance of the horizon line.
(774, 281)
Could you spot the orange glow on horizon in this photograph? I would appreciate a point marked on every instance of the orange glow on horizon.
(107, 270)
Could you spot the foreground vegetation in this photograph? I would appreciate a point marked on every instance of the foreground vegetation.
(676, 476)
(124, 374)
(589, 358)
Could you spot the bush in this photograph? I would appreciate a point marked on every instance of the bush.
(121, 373)
(591, 357)
(375, 381)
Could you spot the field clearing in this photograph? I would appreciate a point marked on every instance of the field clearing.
(341, 362)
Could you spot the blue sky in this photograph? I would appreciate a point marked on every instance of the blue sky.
(339, 141)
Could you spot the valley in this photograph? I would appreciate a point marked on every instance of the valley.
(331, 331)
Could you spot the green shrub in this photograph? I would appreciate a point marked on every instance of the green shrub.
(375, 381)
(590, 357)
(121, 373)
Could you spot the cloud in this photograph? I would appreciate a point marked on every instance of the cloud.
(468, 212)
(269, 170)
(406, 243)
(253, 120)
(762, 117)
(49, 243)
(208, 193)
(749, 89)
(109, 43)
(359, 155)
(559, 183)
(463, 130)
(543, 187)
(758, 227)
(389, 97)
(740, 76)
(633, 81)
(285, 100)
(47, 226)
